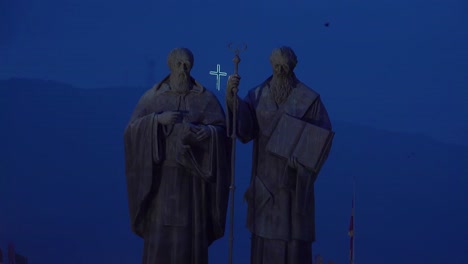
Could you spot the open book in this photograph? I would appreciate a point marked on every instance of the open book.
(308, 143)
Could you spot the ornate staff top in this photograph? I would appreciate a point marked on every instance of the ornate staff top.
(237, 50)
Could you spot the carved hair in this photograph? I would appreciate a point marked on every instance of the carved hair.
(284, 52)
(178, 54)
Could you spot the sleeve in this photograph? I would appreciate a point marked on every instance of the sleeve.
(247, 128)
(305, 178)
(317, 114)
(142, 143)
(138, 139)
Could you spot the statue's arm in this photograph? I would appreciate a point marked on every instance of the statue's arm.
(317, 114)
(142, 111)
(246, 120)
(321, 119)
(214, 116)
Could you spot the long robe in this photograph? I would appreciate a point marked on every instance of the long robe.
(178, 188)
(280, 198)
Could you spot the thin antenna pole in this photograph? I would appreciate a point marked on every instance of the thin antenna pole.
(354, 218)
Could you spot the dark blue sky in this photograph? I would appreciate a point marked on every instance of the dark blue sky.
(394, 66)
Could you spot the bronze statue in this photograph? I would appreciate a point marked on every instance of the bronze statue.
(177, 167)
(292, 137)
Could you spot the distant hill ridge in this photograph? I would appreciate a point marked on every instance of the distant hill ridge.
(132, 93)
(34, 82)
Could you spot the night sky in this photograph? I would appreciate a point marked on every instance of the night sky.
(392, 74)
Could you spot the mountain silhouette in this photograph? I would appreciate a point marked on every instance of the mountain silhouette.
(63, 192)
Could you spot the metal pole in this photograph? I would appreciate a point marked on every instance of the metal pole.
(354, 217)
(232, 188)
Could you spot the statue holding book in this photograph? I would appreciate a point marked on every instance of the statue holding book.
(292, 135)
(177, 167)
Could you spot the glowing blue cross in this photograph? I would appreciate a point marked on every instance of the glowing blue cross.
(218, 74)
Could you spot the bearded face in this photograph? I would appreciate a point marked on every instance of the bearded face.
(180, 63)
(282, 82)
(180, 81)
(283, 60)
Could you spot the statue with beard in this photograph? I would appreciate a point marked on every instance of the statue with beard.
(177, 167)
(292, 135)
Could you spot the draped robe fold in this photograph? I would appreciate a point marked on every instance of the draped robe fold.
(177, 188)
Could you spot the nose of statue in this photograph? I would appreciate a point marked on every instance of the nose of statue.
(282, 69)
(183, 68)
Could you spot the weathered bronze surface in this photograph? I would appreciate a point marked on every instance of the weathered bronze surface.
(177, 167)
(292, 136)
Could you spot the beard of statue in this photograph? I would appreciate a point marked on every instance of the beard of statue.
(180, 82)
(281, 86)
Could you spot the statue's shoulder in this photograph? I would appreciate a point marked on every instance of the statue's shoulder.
(201, 90)
(306, 91)
(209, 98)
(147, 95)
(205, 92)
(151, 94)
(159, 88)
(256, 91)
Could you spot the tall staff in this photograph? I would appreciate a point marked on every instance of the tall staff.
(232, 188)
(351, 232)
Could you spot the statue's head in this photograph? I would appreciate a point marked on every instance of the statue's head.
(180, 60)
(283, 61)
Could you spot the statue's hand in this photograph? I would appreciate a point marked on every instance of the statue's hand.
(202, 133)
(292, 162)
(232, 86)
(169, 117)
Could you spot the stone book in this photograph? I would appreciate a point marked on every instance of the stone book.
(307, 143)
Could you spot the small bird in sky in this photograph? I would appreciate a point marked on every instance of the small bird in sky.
(327, 24)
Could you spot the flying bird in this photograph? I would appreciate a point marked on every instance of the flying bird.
(327, 24)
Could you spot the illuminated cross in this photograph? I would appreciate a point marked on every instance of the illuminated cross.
(218, 74)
